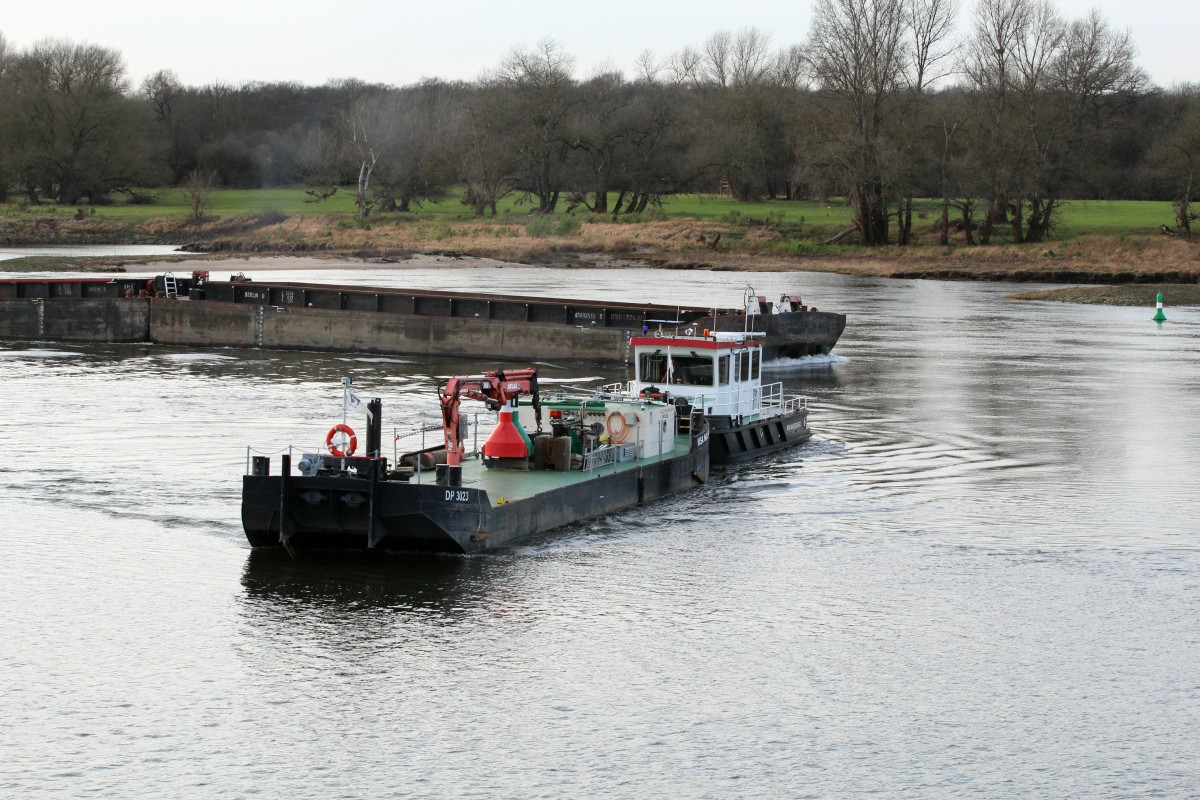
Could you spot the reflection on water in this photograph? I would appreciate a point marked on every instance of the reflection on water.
(977, 579)
(279, 585)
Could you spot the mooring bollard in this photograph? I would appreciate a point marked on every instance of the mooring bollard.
(1159, 316)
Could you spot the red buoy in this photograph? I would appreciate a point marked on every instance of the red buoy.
(506, 441)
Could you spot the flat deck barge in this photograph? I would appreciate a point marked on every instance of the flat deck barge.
(598, 455)
(196, 311)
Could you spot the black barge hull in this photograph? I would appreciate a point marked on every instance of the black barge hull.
(369, 513)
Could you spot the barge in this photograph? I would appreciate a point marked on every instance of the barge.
(789, 328)
(274, 315)
(598, 455)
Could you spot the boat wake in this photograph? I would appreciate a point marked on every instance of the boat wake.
(377, 360)
(36, 354)
(189, 357)
(804, 362)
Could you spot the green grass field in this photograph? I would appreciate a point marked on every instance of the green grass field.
(1078, 217)
(1114, 217)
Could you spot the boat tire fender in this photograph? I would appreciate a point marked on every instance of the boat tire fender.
(351, 444)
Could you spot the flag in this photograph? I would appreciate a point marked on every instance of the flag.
(354, 403)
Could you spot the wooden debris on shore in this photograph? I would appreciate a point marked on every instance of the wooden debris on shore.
(840, 236)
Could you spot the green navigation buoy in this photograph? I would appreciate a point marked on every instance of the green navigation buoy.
(1159, 316)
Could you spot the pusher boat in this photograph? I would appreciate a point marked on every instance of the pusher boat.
(719, 375)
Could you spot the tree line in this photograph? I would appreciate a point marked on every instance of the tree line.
(881, 104)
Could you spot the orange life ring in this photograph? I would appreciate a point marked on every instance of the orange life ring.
(336, 449)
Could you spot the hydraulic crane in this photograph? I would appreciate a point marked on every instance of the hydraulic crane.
(495, 389)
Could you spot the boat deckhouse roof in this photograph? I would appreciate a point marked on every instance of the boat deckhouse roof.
(696, 342)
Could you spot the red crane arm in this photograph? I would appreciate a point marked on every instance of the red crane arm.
(495, 389)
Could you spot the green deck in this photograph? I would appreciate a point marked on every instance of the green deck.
(519, 484)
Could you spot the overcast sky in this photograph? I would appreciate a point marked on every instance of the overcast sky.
(399, 42)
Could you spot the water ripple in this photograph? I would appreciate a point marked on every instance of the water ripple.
(979, 578)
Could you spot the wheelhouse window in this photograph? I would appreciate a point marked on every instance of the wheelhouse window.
(692, 370)
(652, 367)
(685, 370)
(723, 370)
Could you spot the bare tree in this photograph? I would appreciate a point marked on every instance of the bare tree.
(1175, 158)
(163, 91)
(198, 186)
(739, 98)
(367, 133)
(5, 150)
(647, 67)
(725, 59)
(930, 25)
(541, 94)
(601, 131)
(989, 69)
(1045, 91)
(1038, 184)
(654, 158)
(391, 144)
(716, 64)
(67, 120)
(1096, 64)
(791, 68)
(752, 61)
(1181, 156)
(685, 66)
(931, 29)
(1097, 81)
(483, 144)
(418, 166)
(858, 51)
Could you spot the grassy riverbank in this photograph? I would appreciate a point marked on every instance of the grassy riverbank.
(1078, 217)
(1098, 243)
(1174, 294)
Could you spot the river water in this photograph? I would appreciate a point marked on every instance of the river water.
(127, 250)
(981, 578)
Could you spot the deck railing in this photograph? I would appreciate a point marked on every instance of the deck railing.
(773, 397)
(600, 457)
(726, 403)
(422, 430)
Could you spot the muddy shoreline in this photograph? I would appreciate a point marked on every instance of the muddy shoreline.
(1123, 269)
